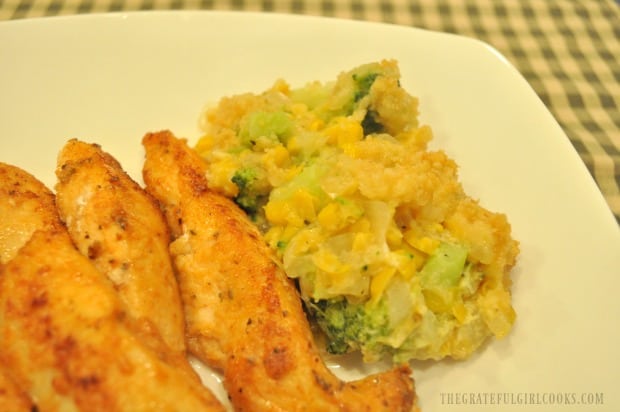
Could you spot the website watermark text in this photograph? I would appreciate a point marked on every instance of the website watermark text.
(522, 398)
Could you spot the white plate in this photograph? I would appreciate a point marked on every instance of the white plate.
(111, 78)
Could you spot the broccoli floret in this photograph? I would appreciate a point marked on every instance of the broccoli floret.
(351, 326)
(272, 126)
(309, 179)
(249, 198)
(371, 124)
(363, 82)
(440, 276)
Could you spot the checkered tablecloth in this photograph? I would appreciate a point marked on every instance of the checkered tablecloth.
(568, 50)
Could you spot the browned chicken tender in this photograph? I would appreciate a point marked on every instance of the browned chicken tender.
(68, 341)
(26, 205)
(114, 222)
(65, 337)
(244, 316)
(12, 397)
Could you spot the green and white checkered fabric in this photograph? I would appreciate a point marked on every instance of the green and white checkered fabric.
(568, 50)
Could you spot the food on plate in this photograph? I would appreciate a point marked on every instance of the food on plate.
(26, 205)
(243, 315)
(390, 254)
(66, 338)
(121, 229)
(12, 397)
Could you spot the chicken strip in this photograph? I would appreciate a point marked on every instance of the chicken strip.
(114, 222)
(64, 334)
(244, 316)
(26, 205)
(12, 397)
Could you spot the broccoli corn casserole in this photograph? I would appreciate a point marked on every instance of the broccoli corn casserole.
(391, 256)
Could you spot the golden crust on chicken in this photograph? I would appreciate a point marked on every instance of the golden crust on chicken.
(68, 341)
(244, 316)
(66, 338)
(114, 222)
(26, 205)
(12, 397)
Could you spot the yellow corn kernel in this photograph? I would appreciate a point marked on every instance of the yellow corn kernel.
(296, 211)
(328, 262)
(274, 235)
(281, 86)
(292, 144)
(304, 242)
(424, 244)
(205, 144)
(408, 261)
(316, 124)
(330, 217)
(428, 245)
(344, 132)
(379, 282)
(291, 172)
(289, 232)
(361, 241)
(338, 215)
(361, 225)
(276, 156)
(276, 212)
(298, 109)
(438, 300)
(352, 132)
(459, 311)
(221, 174)
(306, 118)
(305, 205)
(394, 236)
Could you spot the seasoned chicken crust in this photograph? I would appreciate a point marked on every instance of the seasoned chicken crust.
(68, 341)
(12, 398)
(244, 316)
(26, 205)
(120, 228)
(66, 338)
